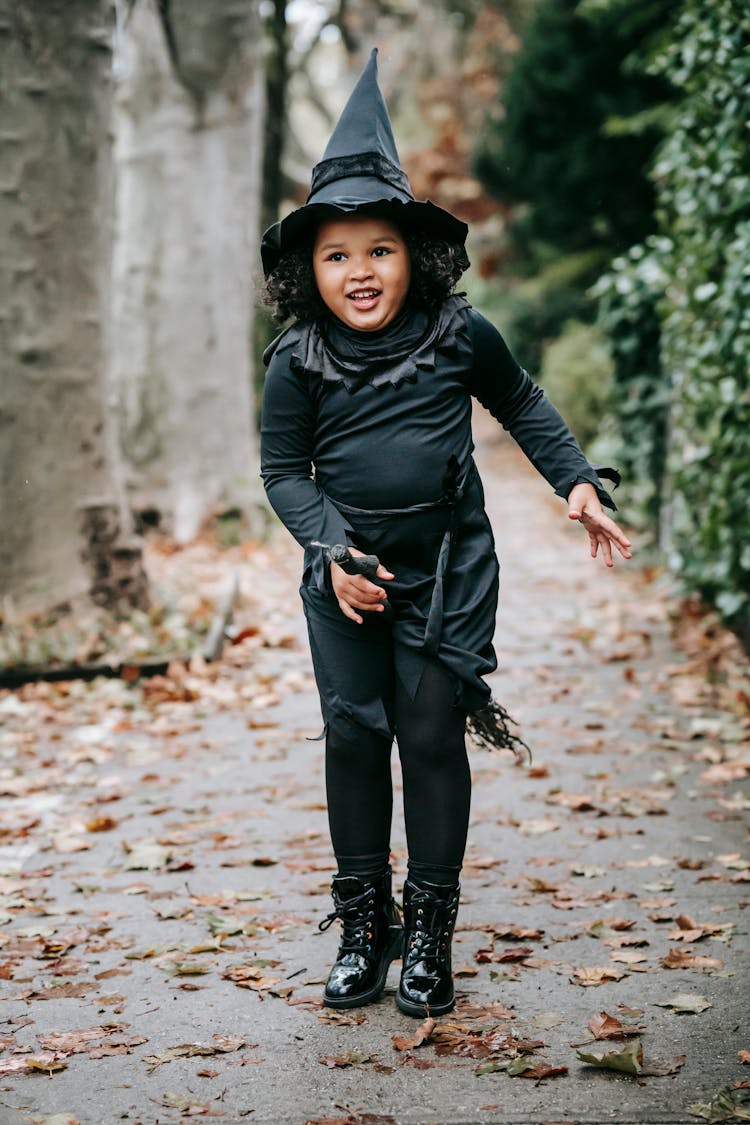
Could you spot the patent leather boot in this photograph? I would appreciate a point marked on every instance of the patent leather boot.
(426, 986)
(372, 937)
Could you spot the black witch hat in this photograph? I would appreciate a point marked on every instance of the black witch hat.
(360, 171)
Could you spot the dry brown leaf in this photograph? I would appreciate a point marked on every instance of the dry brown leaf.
(74, 1042)
(544, 1070)
(595, 975)
(684, 959)
(353, 1058)
(469, 1010)
(516, 933)
(422, 1035)
(605, 1026)
(658, 1068)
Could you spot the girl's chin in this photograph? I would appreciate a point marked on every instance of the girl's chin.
(368, 319)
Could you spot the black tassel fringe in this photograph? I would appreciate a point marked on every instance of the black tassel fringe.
(490, 728)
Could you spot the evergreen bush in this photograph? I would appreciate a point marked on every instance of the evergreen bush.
(577, 374)
(696, 275)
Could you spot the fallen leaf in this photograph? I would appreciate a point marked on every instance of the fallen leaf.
(544, 1070)
(101, 824)
(546, 1020)
(684, 959)
(605, 1026)
(726, 1105)
(123, 1047)
(688, 930)
(595, 975)
(188, 1106)
(50, 1062)
(494, 1010)
(74, 1042)
(145, 855)
(354, 1058)
(635, 961)
(220, 1044)
(249, 976)
(659, 1068)
(422, 1035)
(342, 1019)
(57, 1119)
(516, 1067)
(688, 1002)
(627, 1059)
(520, 953)
(185, 968)
(538, 826)
(465, 971)
(516, 933)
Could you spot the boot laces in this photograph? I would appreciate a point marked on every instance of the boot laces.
(358, 922)
(432, 927)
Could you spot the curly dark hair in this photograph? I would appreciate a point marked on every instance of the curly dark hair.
(436, 266)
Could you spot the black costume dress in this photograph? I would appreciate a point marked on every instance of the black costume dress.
(366, 440)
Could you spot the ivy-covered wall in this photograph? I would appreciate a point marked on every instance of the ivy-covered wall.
(677, 310)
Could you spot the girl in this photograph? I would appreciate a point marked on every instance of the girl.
(366, 444)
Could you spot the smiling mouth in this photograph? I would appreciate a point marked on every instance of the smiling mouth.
(363, 298)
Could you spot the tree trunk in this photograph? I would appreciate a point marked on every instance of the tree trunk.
(189, 150)
(277, 80)
(61, 513)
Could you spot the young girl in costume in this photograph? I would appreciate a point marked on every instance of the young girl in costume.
(366, 444)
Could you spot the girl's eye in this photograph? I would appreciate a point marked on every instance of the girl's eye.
(337, 256)
(381, 251)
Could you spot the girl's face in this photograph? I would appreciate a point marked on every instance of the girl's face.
(362, 270)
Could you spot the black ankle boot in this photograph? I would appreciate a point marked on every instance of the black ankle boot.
(372, 938)
(426, 985)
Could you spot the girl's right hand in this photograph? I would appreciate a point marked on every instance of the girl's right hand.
(354, 591)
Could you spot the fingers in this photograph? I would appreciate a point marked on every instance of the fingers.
(347, 610)
(603, 532)
(382, 572)
(355, 592)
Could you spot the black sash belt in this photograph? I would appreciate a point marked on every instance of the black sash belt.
(454, 487)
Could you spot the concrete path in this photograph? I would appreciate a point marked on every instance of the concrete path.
(166, 863)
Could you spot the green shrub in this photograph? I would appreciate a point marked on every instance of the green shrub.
(577, 374)
(681, 305)
(629, 297)
(703, 179)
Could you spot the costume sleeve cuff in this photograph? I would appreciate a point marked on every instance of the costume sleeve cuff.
(591, 476)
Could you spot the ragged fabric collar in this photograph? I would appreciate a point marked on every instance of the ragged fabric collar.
(391, 356)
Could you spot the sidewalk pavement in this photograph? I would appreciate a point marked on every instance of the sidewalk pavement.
(166, 864)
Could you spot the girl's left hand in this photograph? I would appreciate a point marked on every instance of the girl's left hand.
(584, 505)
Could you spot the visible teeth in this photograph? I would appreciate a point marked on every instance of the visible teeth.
(364, 293)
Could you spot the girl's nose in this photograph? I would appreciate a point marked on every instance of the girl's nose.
(361, 268)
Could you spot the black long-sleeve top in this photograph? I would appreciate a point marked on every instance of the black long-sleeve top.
(384, 442)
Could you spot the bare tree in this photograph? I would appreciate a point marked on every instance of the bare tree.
(61, 518)
(189, 154)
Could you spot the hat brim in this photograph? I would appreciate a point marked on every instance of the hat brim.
(298, 228)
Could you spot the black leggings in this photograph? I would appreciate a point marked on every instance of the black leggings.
(437, 784)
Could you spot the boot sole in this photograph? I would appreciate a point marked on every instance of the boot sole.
(375, 990)
(421, 1011)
